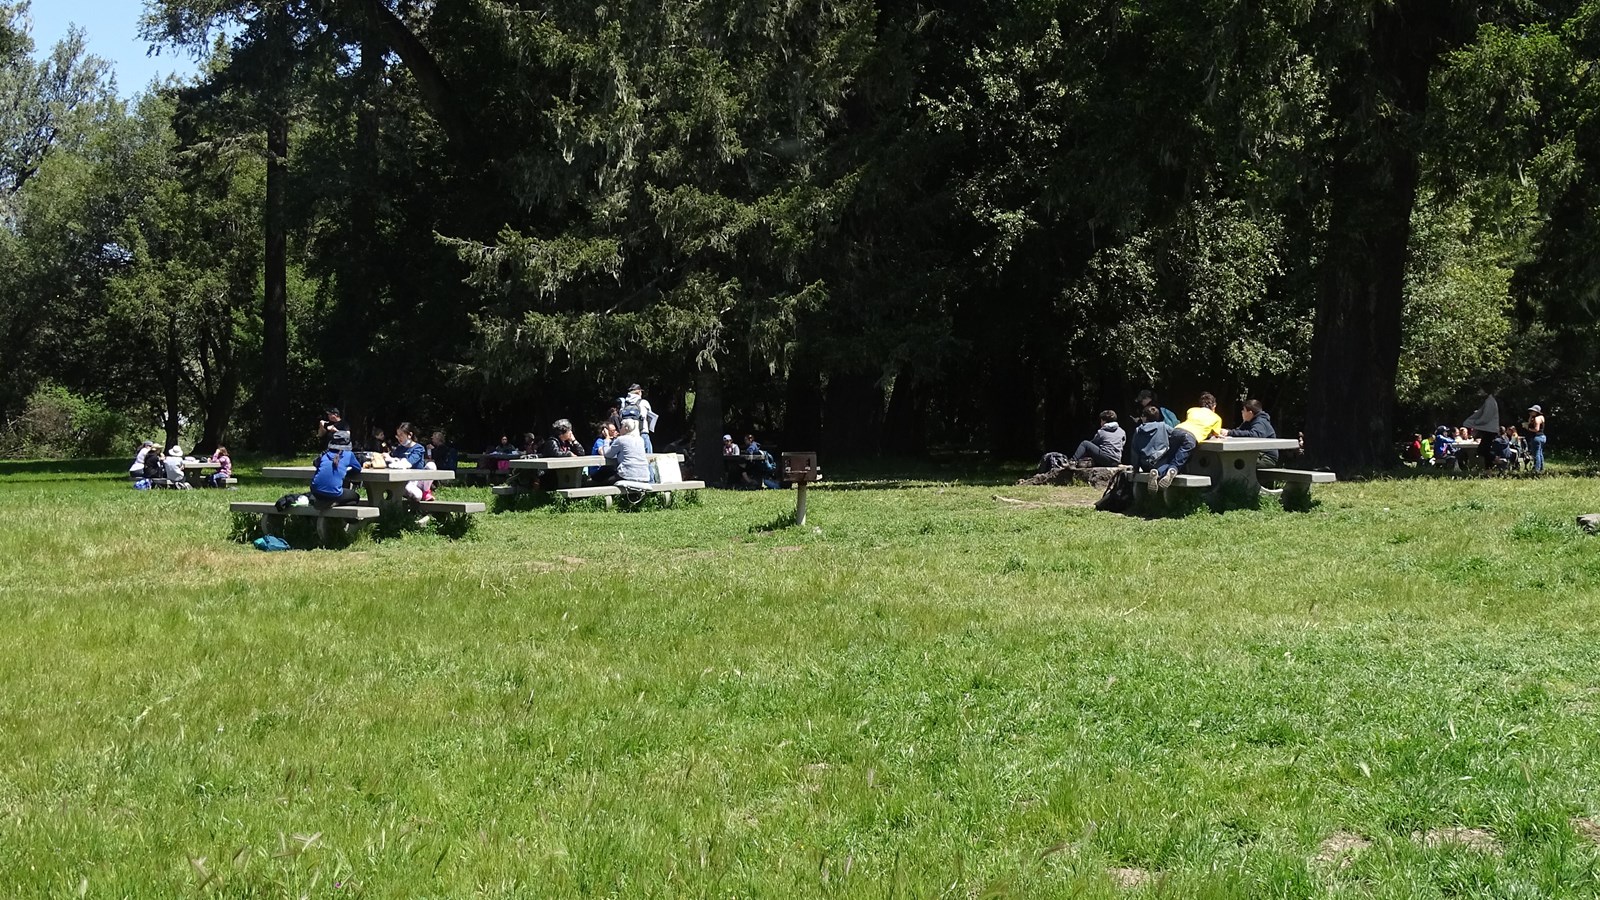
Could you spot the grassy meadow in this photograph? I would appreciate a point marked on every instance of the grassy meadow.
(942, 686)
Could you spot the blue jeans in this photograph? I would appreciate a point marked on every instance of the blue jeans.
(1538, 453)
(646, 436)
(1177, 452)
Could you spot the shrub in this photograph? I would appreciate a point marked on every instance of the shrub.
(58, 424)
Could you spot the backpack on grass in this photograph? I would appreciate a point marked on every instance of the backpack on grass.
(1118, 496)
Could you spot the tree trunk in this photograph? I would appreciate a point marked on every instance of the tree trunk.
(852, 417)
(276, 429)
(1355, 348)
(708, 425)
(170, 383)
(802, 406)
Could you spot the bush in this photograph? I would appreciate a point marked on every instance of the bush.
(58, 424)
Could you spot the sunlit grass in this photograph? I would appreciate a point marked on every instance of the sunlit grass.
(925, 692)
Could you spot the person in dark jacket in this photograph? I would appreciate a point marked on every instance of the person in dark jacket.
(561, 443)
(1105, 447)
(1256, 424)
(327, 482)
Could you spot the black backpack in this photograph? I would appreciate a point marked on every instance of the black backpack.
(1118, 496)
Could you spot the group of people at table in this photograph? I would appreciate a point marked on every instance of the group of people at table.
(1499, 446)
(151, 467)
(1162, 443)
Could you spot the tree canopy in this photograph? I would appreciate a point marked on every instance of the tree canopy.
(863, 225)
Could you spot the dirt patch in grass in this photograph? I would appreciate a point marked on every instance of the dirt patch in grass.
(1587, 828)
(1129, 876)
(1069, 501)
(1471, 838)
(1341, 847)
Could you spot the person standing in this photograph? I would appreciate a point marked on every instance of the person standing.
(1536, 437)
(635, 406)
(1485, 426)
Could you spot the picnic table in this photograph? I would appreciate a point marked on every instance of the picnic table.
(1218, 462)
(567, 472)
(380, 486)
(487, 467)
(194, 472)
(1235, 460)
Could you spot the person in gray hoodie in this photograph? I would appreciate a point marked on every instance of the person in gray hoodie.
(1105, 447)
(1256, 424)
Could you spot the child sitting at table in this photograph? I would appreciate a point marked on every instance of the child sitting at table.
(224, 462)
(1444, 447)
(416, 457)
(327, 481)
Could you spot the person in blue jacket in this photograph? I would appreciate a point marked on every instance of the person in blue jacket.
(416, 457)
(327, 483)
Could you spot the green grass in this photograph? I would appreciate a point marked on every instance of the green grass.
(925, 692)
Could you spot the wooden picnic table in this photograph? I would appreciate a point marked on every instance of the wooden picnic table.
(1234, 460)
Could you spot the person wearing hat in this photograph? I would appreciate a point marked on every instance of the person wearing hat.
(1536, 437)
(327, 481)
(634, 406)
(136, 471)
(729, 447)
(174, 469)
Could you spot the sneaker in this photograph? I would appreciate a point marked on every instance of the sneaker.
(427, 496)
(1166, 479)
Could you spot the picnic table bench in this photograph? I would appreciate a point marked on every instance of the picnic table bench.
(1218, 463)
(380, 486)
(568, 474)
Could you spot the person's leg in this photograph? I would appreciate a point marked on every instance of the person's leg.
(648, 448)
(1183, 445)
(1103, 459)
(1085, 450)
(1538, 454)
(348, 496)
(413, 490)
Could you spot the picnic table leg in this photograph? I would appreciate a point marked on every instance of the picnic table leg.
(272, 524)
(567, 479)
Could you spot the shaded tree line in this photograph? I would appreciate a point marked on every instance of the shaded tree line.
(867, 226)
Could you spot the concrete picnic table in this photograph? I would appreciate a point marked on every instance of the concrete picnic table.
(379, 483)
(1233, 460)
(568, 469)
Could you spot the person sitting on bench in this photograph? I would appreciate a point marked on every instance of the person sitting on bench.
(327, 482)
(136, 471)
(1256, 424)
(626, 457)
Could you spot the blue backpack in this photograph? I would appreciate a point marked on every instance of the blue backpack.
(270, 543)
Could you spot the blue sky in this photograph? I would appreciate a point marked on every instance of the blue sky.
(112, 27)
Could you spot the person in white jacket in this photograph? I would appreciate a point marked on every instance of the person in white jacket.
(634, 406)
(136, 471)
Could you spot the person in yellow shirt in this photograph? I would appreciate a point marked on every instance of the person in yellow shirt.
(1200, 423)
